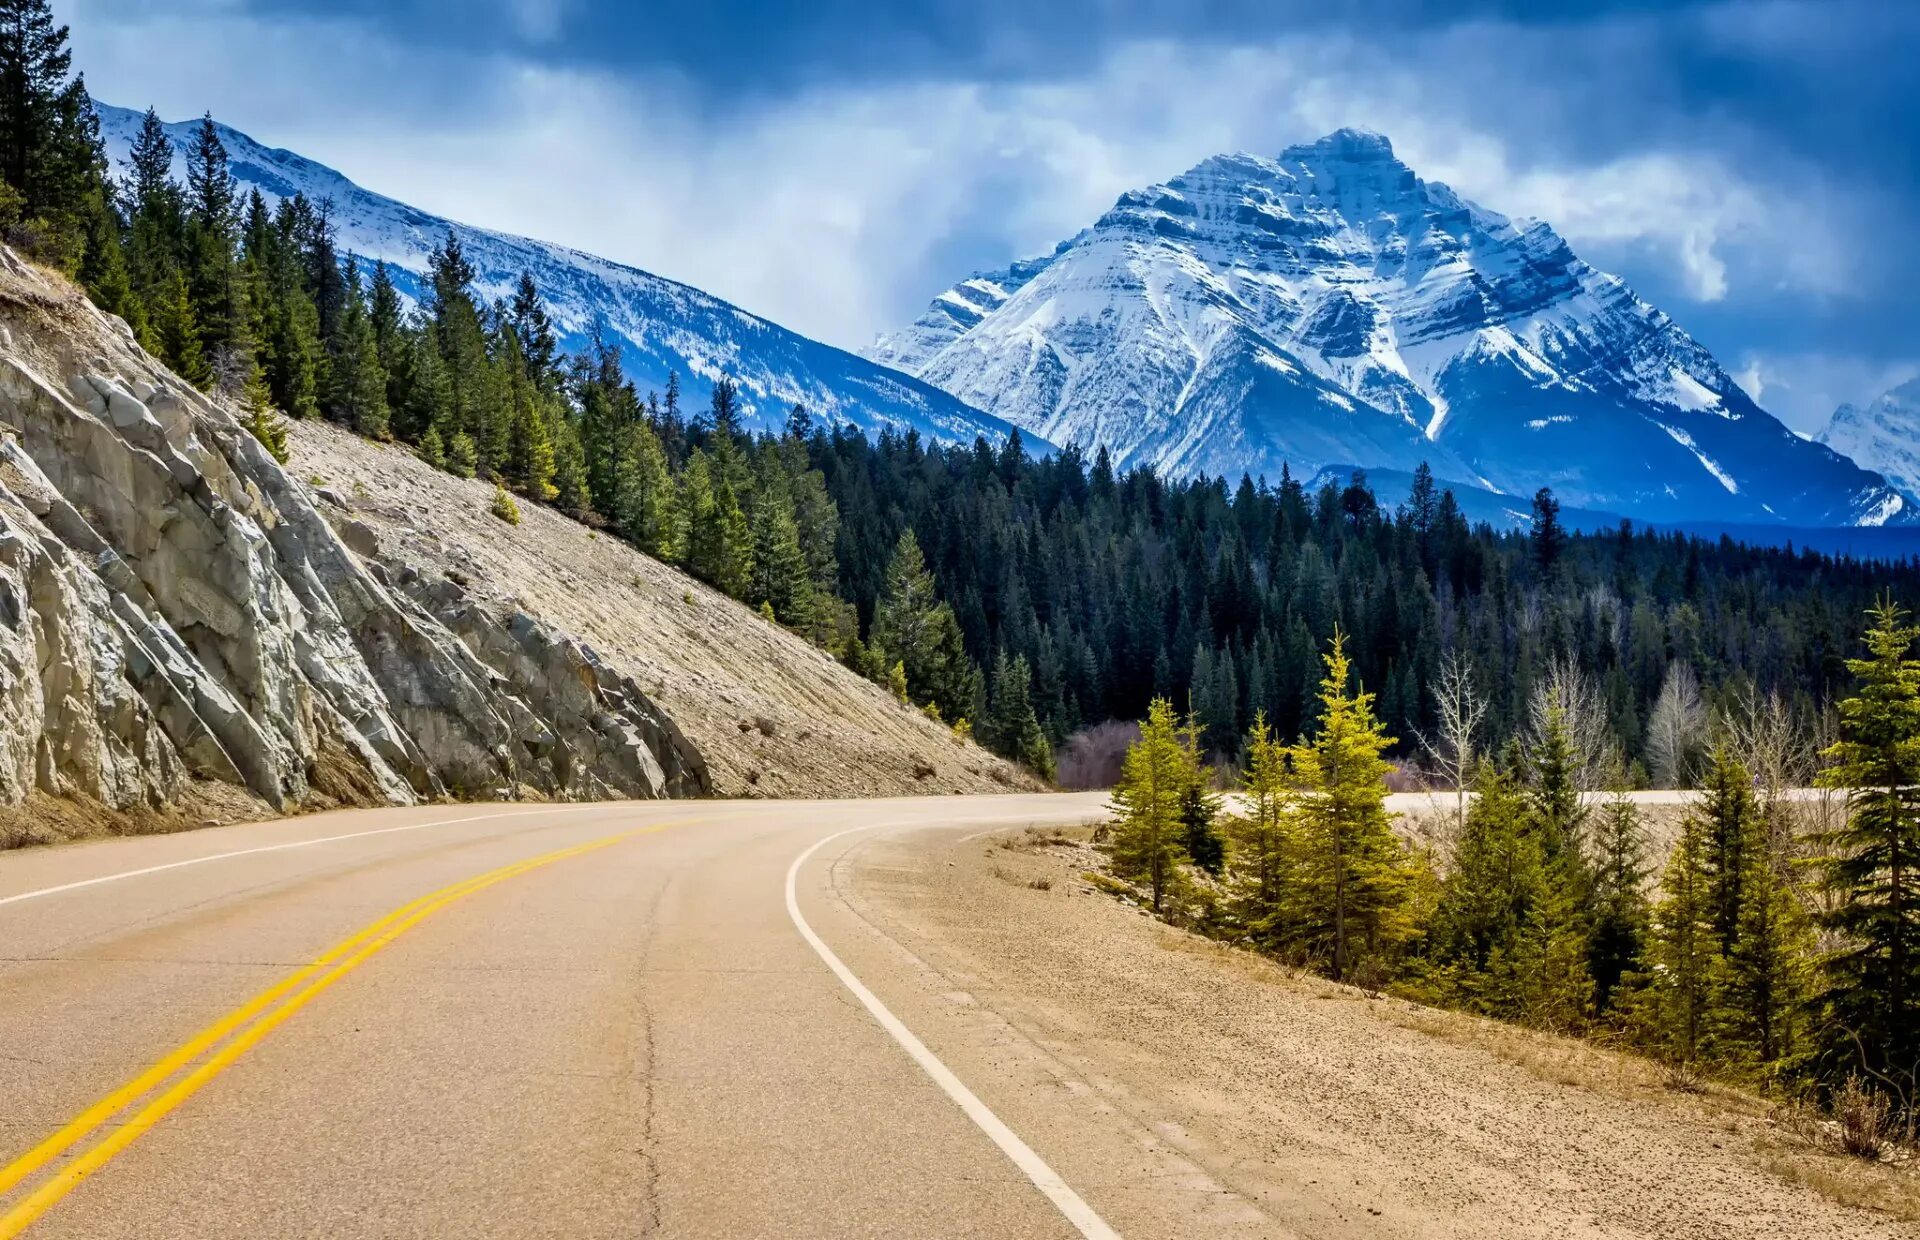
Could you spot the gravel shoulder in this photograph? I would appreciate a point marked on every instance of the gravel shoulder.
(1264, 1103)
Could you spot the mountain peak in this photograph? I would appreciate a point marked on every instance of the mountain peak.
(1347, 144)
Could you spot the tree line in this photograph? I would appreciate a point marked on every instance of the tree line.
(1026, 596)
(1780, 946)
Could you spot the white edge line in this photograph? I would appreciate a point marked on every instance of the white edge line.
(267, 848)
(1045, 1178)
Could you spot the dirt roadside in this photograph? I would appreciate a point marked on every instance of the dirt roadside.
(1268, 1104)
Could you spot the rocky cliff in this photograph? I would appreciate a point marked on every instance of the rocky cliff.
(177, 614)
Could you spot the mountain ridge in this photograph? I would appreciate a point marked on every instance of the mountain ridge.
(1329, 305)
(660, 324)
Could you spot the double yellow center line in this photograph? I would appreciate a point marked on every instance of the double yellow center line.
(233, 1035)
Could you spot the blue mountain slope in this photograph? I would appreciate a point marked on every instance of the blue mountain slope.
(660, 325)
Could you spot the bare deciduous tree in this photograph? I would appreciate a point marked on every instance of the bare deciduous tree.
(1454, 745)
(1676, 726)
(1583, 712)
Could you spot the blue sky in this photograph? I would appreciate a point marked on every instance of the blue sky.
(1749, 166)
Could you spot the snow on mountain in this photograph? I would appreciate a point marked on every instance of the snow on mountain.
(1330, 306)
(1882, 435)
(660, 325)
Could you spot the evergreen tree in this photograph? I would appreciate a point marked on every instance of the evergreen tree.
(1147, 827)
(1200, 808)
(913, 625)
(1354, 884)
(1733, 822)
(779, 576)
(1870, 863)
(358, 391)
(647, 507)
(258, 416)
(177, 334)
(1621, 912)
(1264, 841)
(50, 152)
(1688, 973)
(534, 330)
(1010, 728)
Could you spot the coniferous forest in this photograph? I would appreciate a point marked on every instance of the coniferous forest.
(1030, 596)
(1026, 598)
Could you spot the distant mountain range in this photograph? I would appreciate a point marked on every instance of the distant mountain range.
(1882, 435)
(660, 325)
(1321, 309)
(1329, 306)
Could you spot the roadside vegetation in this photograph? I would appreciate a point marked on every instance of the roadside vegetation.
(1779, 949)
(1037, 599)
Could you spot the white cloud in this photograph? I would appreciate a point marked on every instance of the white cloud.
(840, 210)
(1803, 389)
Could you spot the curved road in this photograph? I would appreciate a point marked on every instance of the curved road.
(580, 1021)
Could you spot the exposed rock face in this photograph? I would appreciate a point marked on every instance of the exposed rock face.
(174, 607)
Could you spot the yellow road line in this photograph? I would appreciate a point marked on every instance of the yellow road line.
(331, 966)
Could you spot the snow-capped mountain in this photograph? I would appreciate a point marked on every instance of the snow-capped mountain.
(1882, 435)
(1330, 307)
(660, 325)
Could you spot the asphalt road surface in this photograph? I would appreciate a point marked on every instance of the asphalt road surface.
(580, 1021)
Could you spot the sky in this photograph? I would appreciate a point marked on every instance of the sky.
(1747, 165)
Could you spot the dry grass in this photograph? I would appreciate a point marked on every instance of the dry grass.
(1849, 1181)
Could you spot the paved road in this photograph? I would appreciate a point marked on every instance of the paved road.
(580, 1021)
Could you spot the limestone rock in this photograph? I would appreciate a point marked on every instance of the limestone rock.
(173, 607)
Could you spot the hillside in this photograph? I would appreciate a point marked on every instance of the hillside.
(660, 325)
(184, 636)
(1328, 307)
(773, 715)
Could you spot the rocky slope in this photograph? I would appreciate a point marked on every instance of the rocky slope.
(181, 626)
(659, 324)
(1330, 307)
(772, 714)
(1883, 435)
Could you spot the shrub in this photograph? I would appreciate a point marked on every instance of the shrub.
(504, 506)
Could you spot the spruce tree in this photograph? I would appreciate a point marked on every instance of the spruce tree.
(1147, 830)
(1010, 727)
(1733, 822)
(1621, 911)
(258, 416)
(1354, 884)
(1263, 841)
(50, 150)
(779, 574)
(648, 507)
(357, 395)
(1688, 972)
(1870, 865)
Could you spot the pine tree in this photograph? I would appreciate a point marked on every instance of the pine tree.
(1621, 912)
(462, 458)
(779, 574)
(1733, 822)
(648, 507)
(1264, 841)
(50, 152)
(1147, 828)
(358, 392)
(258, 416)
(1010, 727)
(1354, 885)
(1871, 864)
(178, 335)
(1200, 808)
(1770, 965)
(1688, 972)
(534, 330)
(212, 198)
(911, 624)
